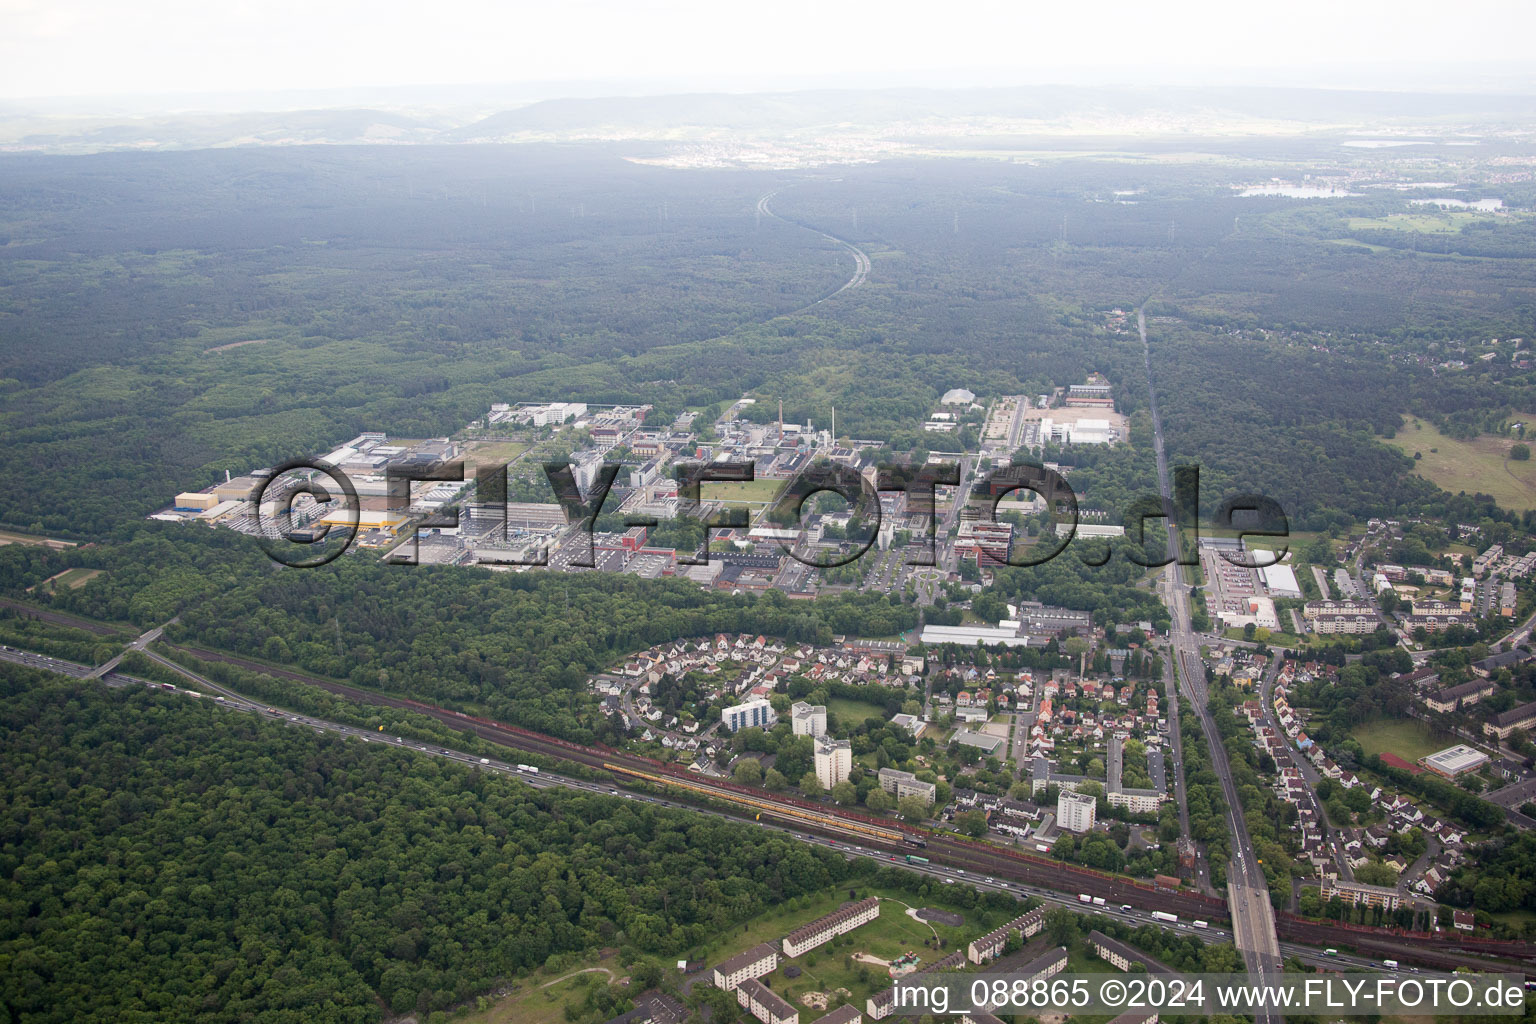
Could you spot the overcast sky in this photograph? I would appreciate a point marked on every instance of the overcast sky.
(112, 48)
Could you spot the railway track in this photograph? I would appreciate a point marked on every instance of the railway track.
(884, 834)
(60, 618)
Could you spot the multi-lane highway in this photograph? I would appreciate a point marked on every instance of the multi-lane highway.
(953, 861)
(1253, 922)
(860, 257)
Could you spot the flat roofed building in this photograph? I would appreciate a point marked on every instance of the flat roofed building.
(763, 1003)
(196, 501)
(239, 489)
(1280, 581)
(808, 719)
(841, 921)
(1076, 812)
(754, 963)
(983, 742)
(1137, 801)
(899, 784)
(977, 540)
(1456, 761)
(1346, 625)
(1089, 530)
(834, 761)
(1313, 609)
(1361, 893)
(970, 636)
(753, 712)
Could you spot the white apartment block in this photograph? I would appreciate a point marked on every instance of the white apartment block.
(753, 712)
(841, 921)
(766, 1005)
(1359, 892)
(808, 719)
(900, 784)
(991, 946)
(834, 762)
(754, 963)
(1076, 812)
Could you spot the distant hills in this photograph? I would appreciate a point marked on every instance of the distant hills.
(764, 117)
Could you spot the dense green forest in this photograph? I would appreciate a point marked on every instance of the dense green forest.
(164, 859)
(518, 646)
(167, 317)
(162, 327)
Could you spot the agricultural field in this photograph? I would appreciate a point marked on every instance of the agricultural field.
(1482, 465)
(1409, 739)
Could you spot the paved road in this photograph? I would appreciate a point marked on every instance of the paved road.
(1253, 922)
(139, 644)
(1309, 774)
(860, 257)
(17, 656)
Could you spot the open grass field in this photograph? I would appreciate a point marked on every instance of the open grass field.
(850, 711)
(541, 998)
(1428, 222)
(491, 453)
(1409, 739)
(1275, 637)
(69, 579)
(1481, 465)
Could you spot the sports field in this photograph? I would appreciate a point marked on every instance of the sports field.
(746, 492)
(1409, 739)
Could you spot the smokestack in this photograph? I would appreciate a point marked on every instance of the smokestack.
(781, 421)
(226, 476)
